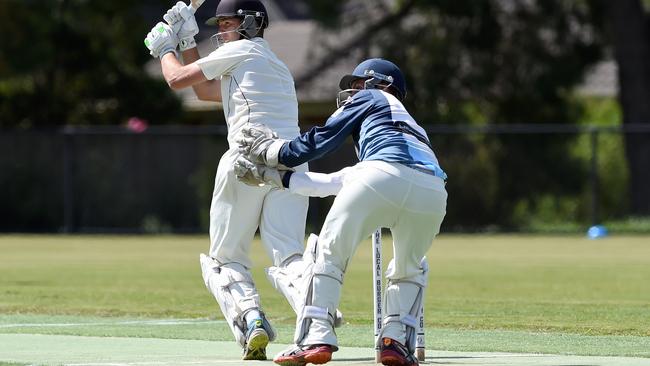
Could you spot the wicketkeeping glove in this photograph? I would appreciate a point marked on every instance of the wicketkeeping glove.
(161, 40)
(259, 144)
(181, 18)
(246, 172)
(258, 175)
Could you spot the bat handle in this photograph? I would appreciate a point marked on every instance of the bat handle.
(195, 4)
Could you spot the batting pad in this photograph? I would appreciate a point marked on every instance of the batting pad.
(233, 288)
(403, 300)
(316, 323)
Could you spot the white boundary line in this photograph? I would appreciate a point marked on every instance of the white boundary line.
(129, 322)
(176, 363)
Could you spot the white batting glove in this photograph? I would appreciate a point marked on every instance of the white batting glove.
(161, 40)
(181, 18)
(259, 144)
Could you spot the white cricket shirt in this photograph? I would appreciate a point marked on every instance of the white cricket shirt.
(255, 87)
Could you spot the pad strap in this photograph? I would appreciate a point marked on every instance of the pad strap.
(232, 274)
(406, 319)
(316, 312)
(328, 270)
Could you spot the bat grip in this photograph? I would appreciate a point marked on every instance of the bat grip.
(195, 4)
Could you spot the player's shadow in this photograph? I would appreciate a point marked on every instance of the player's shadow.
(443, 360)
(432, 360)
(355, 359)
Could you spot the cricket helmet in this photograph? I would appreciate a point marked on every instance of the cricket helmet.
(252, 13)
(377, 71)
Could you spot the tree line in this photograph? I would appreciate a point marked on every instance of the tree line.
(488, 61)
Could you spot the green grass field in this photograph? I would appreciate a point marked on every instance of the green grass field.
(547, 294)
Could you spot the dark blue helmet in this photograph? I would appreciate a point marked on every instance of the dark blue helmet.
(376, 71)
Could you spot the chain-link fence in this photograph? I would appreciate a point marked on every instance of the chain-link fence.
(501, 177)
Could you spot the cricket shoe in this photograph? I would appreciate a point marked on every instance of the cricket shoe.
(302, 355)
(256, 341)
(394, 353)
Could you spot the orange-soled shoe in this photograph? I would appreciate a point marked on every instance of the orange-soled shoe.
(394, 353)
(302, 355)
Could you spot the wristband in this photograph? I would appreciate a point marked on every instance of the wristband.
(187, 43)
(286, 179)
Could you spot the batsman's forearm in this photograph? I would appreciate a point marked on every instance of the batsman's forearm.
(179, 77)
(190, 55)
(209, 90)
(171, 69)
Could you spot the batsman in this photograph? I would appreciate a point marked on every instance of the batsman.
(254, 86)
(398, 184)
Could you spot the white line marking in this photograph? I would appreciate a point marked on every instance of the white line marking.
(202, 363)
(130, 322)
(220, 362)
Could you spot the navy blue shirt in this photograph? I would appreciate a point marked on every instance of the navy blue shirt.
(381, 129)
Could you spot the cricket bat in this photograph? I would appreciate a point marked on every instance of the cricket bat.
(196, 4)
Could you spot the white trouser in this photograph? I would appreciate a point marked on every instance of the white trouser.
(237, 211)
(378, 194)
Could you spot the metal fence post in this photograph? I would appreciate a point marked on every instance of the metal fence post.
(593, 133)
(68, 177)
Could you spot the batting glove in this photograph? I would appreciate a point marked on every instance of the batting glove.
(161, 40)
(259, 144)
(181, 18)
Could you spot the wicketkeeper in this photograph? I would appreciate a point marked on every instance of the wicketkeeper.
(254, 86)
(398, 184)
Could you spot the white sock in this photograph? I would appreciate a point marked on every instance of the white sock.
(252, 315)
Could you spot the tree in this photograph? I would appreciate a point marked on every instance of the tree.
(488, 61)
(630, 29)
(77, 62)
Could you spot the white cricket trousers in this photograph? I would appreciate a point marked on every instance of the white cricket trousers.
(237, 211)
(412, 204)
